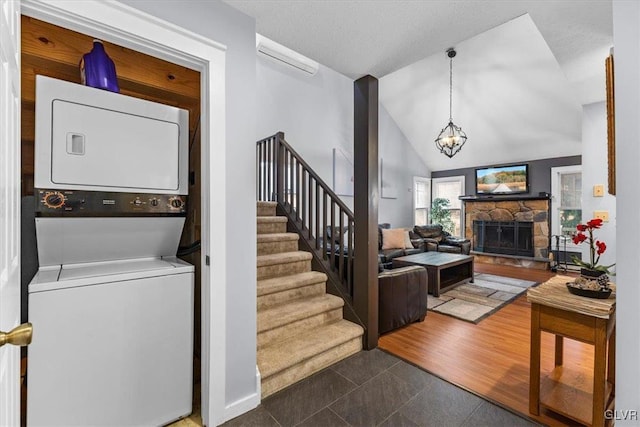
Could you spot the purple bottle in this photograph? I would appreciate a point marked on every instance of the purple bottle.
(98, 70)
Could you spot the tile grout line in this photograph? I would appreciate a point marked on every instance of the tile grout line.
(273, 418)
(334, 412)
(482, 402)
(402, 406)
(327, 406)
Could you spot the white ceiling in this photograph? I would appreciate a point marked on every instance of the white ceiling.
(518, 87)
(513, 101)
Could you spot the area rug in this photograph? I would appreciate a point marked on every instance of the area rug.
(475, 301)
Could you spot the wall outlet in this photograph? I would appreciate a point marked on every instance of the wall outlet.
(598, 190)
(603, 215)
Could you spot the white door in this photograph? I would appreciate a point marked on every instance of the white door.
(566, 205)
(9, 208)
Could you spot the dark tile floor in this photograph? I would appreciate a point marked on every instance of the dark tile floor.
(374, 388)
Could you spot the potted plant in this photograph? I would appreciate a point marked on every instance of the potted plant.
(594, 276)
(441, 215)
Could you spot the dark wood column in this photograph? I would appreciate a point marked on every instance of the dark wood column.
(365, 154)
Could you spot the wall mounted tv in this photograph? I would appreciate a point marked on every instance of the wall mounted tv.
(503, 180)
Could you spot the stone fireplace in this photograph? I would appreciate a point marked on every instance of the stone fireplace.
(513, 231)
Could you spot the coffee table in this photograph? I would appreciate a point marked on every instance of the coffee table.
(444, 270)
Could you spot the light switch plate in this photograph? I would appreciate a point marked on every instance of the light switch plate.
(598, 190)
(603, 215)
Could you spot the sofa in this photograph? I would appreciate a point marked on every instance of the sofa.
(402, 297)
(420, 239)
(386, 253)
(437, 239)
(392, 245)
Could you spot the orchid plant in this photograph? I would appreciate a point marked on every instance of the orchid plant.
(596, 247)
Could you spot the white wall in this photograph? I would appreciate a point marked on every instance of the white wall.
(626, 38)
(314, 112)
(220, 22)
(594, 171)
(316, 115)
(401, 163)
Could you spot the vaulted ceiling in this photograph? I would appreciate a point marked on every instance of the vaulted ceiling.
(524, 67)
(513, 100)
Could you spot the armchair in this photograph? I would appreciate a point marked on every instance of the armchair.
(436, 239)
(402, 297)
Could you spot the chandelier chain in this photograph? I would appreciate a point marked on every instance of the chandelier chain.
(451, 137)
(450, 89)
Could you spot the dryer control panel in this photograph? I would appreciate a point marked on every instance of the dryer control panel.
(52, 202)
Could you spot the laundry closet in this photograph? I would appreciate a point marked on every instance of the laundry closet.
(103, 219)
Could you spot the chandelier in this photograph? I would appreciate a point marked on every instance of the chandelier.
(451, 138)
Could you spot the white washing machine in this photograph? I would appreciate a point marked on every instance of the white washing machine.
(112, 344)
(111, 305)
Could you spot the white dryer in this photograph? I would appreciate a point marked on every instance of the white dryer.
(111, 305)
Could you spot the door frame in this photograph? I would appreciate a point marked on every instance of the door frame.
(134, 29)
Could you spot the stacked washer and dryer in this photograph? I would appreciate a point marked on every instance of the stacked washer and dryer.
(111, 305)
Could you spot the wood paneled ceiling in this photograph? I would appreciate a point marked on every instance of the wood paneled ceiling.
(54, 51)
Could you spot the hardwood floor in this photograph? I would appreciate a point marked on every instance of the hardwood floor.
(492, 357)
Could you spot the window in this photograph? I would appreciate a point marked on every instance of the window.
(421, 200)
(451, 188)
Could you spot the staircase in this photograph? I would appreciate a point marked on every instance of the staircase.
(300, 326)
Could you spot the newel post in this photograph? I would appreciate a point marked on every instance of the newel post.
(365, 155)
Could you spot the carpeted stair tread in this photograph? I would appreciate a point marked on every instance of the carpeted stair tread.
(284, 283)
(261, 203)
(296, 310)
(271, 219)
(266, 208)
(277, 237)
(283, 258)
(298, 349)
(271, 224)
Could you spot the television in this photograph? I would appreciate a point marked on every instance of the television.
(512, 179)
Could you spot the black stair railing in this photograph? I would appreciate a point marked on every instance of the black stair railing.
(325, 224)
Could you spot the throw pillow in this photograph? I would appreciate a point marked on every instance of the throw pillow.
(385, 225)
(393, 238)
(407, 240)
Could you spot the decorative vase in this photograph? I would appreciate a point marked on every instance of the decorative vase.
(98, 70)
(589, 274)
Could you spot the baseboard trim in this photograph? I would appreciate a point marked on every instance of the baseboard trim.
(245, 404)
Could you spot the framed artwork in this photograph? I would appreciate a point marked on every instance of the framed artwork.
(611, 126)
(342, 173)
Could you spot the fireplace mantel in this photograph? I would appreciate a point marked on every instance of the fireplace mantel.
(501, 198)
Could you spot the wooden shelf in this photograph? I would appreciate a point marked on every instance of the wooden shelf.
(568, 392)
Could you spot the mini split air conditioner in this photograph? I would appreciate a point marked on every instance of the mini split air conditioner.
(283, 55)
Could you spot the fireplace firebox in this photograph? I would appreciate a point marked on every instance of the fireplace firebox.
(504, 237)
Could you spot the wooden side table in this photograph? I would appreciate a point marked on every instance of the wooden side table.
(555, 310)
